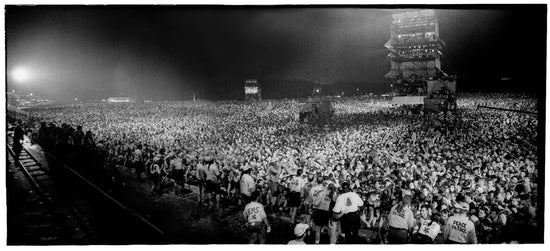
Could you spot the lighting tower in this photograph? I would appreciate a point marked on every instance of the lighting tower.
(415, 46)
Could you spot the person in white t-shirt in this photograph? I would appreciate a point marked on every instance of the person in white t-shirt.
(401, 221)
(459, 229)
(201, 177)
(347, 208)
(319, 200)
(300, 231)
(212, 188)
(274, 173)
(296, 186)
(256, 220)
(423, 217)
(177, 172)
(429, 230)
(247, 185)
(333, 225)
(310, 183)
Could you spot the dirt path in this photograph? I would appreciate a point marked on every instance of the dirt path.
(182, 219)
(179, 215)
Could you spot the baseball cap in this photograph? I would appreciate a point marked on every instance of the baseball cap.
(300, 229)
(463, 206)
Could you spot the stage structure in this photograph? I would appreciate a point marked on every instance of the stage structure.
(317, 109)
(252, 90)
(415, 52)
(121, 100)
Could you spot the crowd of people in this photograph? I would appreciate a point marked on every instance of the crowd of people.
(374, 174)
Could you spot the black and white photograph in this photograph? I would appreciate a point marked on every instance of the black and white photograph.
(277, 124)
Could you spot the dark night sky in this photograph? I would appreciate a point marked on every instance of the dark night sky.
(169, 52)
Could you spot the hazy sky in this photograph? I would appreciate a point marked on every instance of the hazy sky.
(170, 52)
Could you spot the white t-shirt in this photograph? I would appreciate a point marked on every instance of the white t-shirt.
(347, 203)
(212, 172)
(274, 173)
(200, 171)
(403, 219)
(297, 184)
(320, 198)
(461, 229)
(430, 230)
(307, 188)
(138, 155)
(254, 212)
(247, 184)
(176, 164)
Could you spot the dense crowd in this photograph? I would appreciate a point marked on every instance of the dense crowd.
(371, 163)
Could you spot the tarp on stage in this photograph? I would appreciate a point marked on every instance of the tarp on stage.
(408, 100)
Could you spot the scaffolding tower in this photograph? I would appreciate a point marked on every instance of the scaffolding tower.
(415, 53)
(415, 46)
(252, 90)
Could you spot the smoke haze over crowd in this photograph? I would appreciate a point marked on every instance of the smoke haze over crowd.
(171, 52)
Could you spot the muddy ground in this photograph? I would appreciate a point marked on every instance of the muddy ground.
(186, 222)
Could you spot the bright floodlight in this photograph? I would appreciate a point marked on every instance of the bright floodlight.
(20, 74)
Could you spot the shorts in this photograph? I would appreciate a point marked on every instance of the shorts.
(397, 236)
(155, 177)
(321, 217)
(139, 166)
(178, 174)
(254, 227)
(350, 222)
(256, 231)
(295, 199)
(422, 239)
(200, 183)
(273, 187)
(212, 187)
(234, 186)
